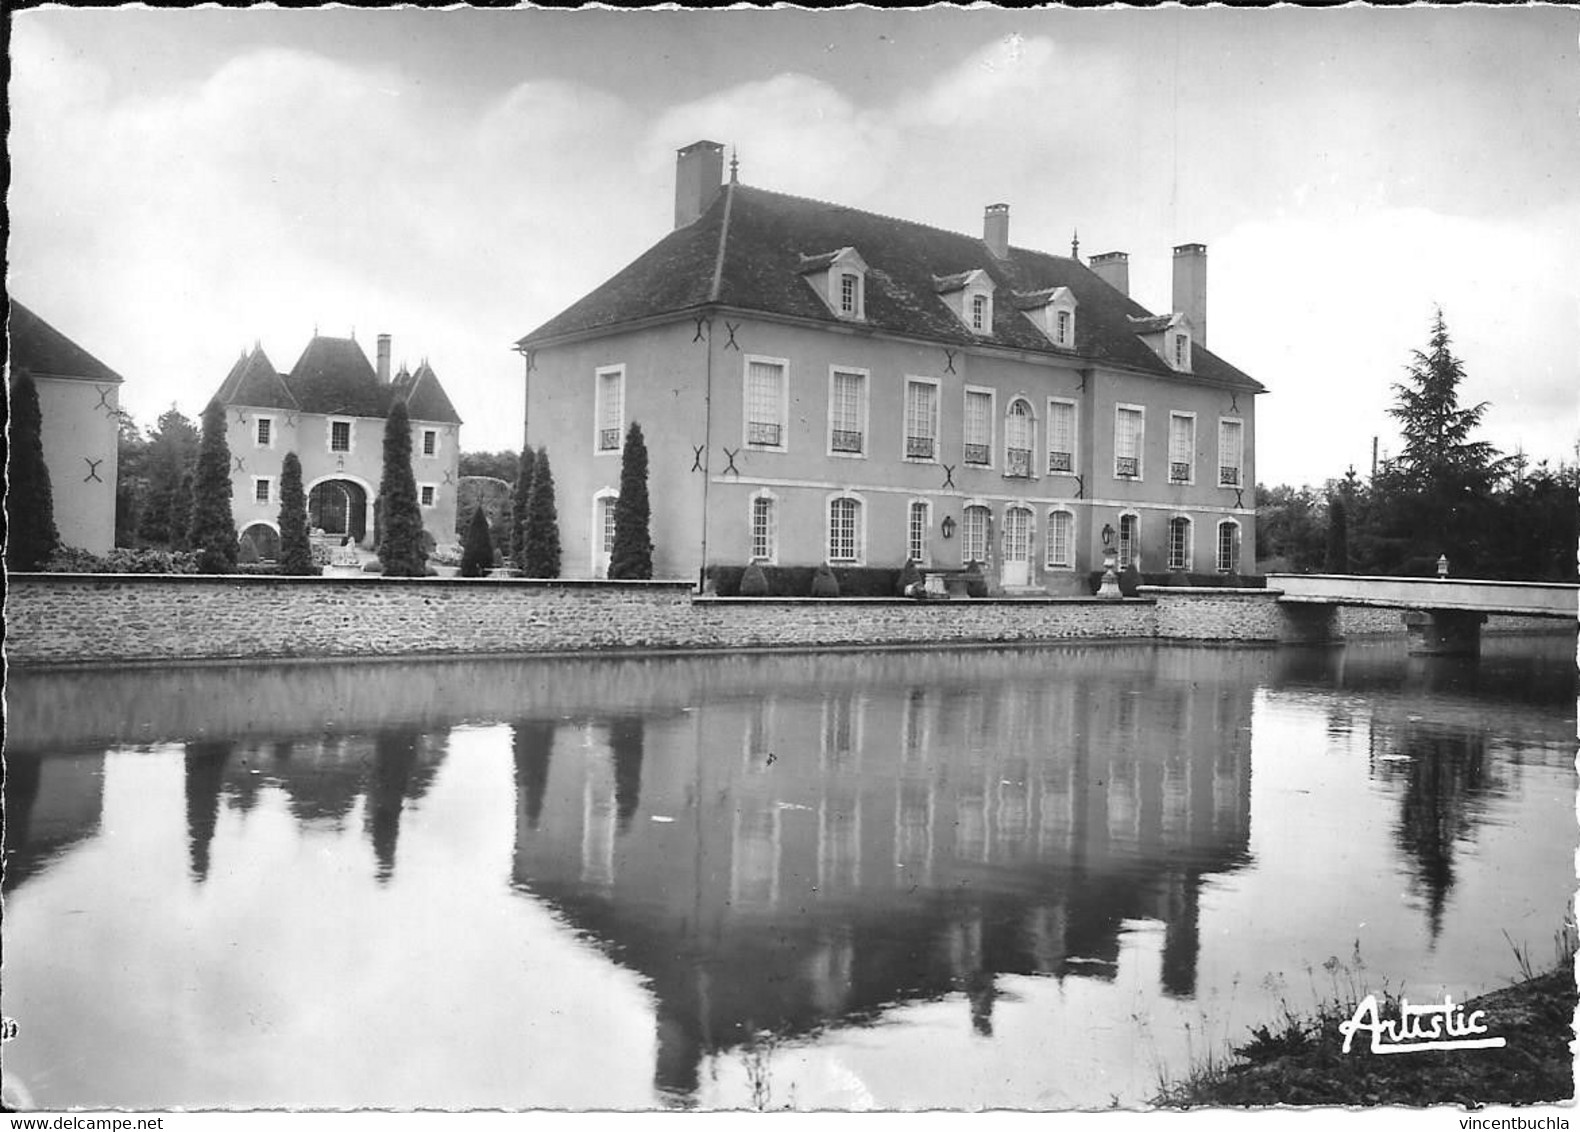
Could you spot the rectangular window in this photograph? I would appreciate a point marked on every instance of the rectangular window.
(1061, 436)
(847, 412)
(1227, 533)
(916, 532)
(763, 529)
(340, 436)
(1129, 427)
(260, 490)
(1182, 447)
(974, 535)
(921, 420)
(428, 494)
(844, 517)
(1129, 532)
(1179, 543)
(1064, 328)
(608, 507)
(611, 409)
(265, 434)
(765, 402)
(430, 442)
(1061, 540)
(847, 294)
(979, 427)
(1230, 452)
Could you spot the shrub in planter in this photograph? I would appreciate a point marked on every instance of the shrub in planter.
(976, 581)
(1129, 579)
(910, 580)
(754, 583)
(824, 584)
(478, 553)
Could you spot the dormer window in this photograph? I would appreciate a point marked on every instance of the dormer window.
(840, 279)
(970, 295)
(1061, 332)
(1053, 312)
(1169, 336)
(1181, 351)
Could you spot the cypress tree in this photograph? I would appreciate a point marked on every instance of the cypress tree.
(519, 501)
(542, 558)
(213, 529)
(631, 556)
(1338, 536)
(401, 550)
(31, 536)
(477, 557)
(181, 513)
(296, 548)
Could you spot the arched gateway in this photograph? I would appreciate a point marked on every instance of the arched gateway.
(342, 506)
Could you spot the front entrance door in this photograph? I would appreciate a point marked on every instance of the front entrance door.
(1017, 547)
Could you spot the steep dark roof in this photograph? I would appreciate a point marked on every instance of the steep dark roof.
(334, 376)
(254, 381)
(769, 236)
(43, 351)
(424, 396)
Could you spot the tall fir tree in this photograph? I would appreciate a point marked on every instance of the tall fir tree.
(1338, 557)
(296, 547)
(477, 554)
(519, 500)
(631, 556)
(31, 536)
(542, 559)
(213, 529)
(181, 512)
(401, 549)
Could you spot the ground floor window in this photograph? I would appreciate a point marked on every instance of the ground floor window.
(1129, 541)
(974, 535)
(764, 529)
(844, 529)
(1061, 540)
(920, 519)
(1179, 543)
(1228, 539)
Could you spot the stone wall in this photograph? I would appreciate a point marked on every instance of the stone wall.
(1203, 614)
(56, 619)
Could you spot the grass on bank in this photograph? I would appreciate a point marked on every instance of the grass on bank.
(1299, 1059)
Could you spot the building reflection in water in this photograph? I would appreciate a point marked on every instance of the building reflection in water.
(817, 855)
(52, 804)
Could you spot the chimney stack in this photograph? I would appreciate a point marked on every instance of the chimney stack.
(1190, 288)
(1112, 268)
(384, 359)
(699, 171)
(995, 230)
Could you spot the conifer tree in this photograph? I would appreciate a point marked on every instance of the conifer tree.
(631, 556)
(296, 548)
(401, 551)
(1338, 559)
(213, 528)
(542, 559)
(477, 557)
(31, 536)
(519, 501)
(181, 512)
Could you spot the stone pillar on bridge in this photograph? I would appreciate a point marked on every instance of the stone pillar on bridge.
(1444, 632)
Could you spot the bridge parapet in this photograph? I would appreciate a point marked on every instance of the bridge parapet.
(1529, 599)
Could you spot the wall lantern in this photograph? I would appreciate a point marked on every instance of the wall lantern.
(1108, 534)
(948, 526)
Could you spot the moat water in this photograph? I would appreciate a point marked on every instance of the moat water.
(1030, 878)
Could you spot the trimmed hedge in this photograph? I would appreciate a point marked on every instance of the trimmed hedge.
(122, 560)
(1204, 581)
(796, 581)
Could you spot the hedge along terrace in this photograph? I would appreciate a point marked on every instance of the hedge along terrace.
(67, 619)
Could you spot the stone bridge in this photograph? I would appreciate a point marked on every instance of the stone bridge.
(1443, 615)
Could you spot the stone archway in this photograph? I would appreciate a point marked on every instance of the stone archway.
(338, 505)
(265, 541)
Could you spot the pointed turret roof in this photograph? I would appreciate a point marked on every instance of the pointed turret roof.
(425, 398)
(254, 381)
(333, 376)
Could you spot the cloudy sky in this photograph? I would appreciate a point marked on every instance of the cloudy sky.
(187, 182)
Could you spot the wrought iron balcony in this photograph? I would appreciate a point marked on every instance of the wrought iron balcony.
(608, 439)
(1179, 472)
(1017, 462)
(761, 432)
(1230, 477)
(1127, 466)
(847, 440)
(919, 447)
(1061, 461)
(977, 454)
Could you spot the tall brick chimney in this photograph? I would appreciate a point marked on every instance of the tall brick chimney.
(995, 229)
(384, 359)
(699, 170)
(1190, 288)
(1112, 268)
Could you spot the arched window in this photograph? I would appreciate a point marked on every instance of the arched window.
(1129, 540)
(1019, 431)
(1228, 545)
(844, 529)
(1179, 543)
(1061, 540)
(974, 534)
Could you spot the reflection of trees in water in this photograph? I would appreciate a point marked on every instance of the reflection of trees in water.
(625, 748)
(205, 781)
(1445, 775)
(22, 773)
(400, 773)
(532, 743)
